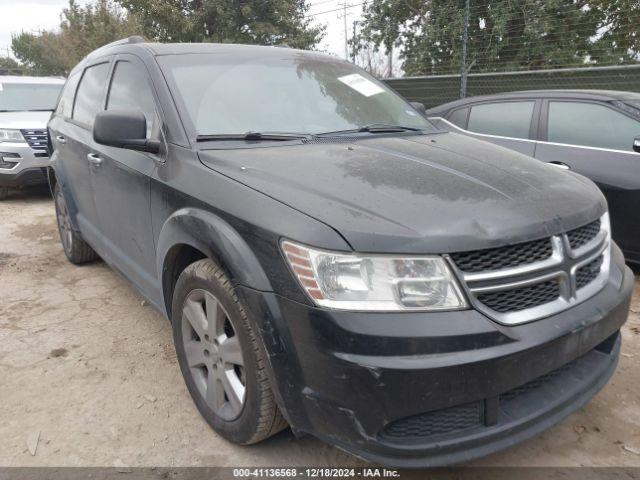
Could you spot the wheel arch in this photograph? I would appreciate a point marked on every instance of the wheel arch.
(191, 234)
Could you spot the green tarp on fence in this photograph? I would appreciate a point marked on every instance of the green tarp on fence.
(436, 90)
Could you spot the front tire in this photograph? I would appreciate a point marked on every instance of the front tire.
(4, 193)
(221, 358)
(75, 248)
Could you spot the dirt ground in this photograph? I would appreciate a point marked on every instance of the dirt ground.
(90, 368)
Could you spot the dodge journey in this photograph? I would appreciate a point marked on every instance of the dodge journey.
(331, 261)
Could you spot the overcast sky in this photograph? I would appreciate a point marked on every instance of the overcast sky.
(34, 15)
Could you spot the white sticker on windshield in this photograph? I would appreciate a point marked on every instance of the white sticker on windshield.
(361, 85)
(0, 87)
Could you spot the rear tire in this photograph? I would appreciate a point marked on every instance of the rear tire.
(221, 356)
(4, 193)
(75, 248)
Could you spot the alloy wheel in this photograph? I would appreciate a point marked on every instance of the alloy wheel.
(64, 222)
(213, 354)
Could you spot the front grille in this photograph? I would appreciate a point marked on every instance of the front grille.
(37, 139)
(587, 274)
(438, 422)
(583, 235)
(547, 274)
(503, 257)
(521, 298)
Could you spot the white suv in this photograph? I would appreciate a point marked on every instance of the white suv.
(26, 104)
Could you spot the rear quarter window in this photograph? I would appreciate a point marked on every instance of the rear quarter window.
(459, 117)
(65, 104)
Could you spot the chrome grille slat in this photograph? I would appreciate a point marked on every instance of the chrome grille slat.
(576, 269)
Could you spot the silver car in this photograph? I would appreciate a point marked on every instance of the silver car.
(26, 104)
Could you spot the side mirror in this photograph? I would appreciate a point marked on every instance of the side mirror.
(636, 144)
(419, 107)
(124, 128)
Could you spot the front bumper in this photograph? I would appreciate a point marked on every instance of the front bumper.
(29, 165)
(415, 390)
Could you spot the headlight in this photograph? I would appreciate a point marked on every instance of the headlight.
(374, 282)
(8, 135)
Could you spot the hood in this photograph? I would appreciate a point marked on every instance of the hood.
(434, 193)
(24, 120)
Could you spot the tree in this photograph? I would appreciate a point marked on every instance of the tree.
(8, 66)
(263, 22)
(373, 60)
(40, 54)
(82, 30)
(618, 40)
(503, 34)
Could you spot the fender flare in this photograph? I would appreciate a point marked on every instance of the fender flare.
(217, 239)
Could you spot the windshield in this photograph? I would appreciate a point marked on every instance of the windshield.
(20, 97)
(224, 93)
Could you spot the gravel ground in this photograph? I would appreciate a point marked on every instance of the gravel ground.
(89, 369)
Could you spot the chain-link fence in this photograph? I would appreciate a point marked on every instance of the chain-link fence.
(474, 47)
(438, 89)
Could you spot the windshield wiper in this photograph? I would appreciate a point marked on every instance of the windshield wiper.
(375, 128)
(28, 110)
(252, 136)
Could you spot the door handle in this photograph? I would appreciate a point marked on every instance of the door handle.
(94, 159)
(61, 139)
(561, 165)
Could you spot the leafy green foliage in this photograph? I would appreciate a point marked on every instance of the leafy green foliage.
(619, 38)
(261, 22)
(85, 28)
(82, 29)
(504, 34)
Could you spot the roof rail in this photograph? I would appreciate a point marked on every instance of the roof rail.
(122, 41)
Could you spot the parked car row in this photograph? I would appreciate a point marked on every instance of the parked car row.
(26, 104)
(589, 132)
(330, 260)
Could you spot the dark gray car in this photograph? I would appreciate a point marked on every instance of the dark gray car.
(589, 131)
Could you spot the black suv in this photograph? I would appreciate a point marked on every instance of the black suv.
(331, 261)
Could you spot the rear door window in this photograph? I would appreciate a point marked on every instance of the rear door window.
(506, 119)
(591, 125)
(90, 96)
